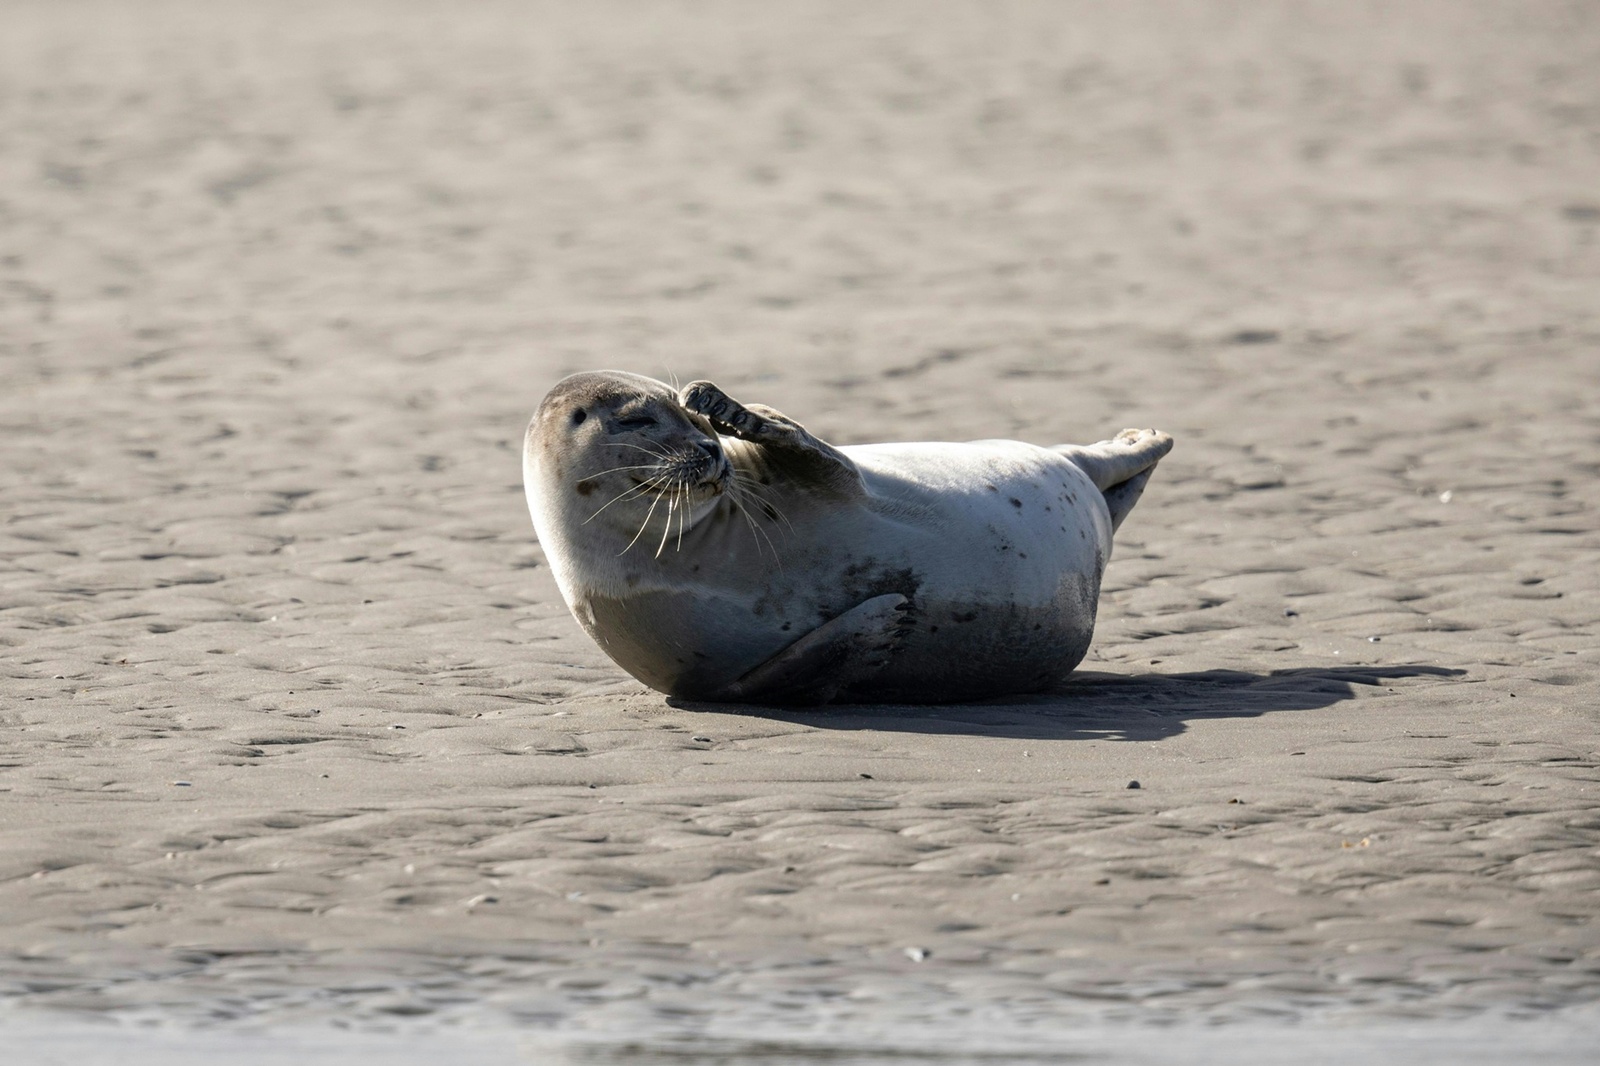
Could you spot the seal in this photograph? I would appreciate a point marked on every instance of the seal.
(718, 551)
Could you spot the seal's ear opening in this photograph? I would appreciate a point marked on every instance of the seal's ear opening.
(578, 416)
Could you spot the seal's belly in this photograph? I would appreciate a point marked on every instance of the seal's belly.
(1001, 570)
(684, 643)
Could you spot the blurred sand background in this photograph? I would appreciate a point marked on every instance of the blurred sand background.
(296, 728)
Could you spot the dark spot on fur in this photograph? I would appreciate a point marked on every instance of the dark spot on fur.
(933, 629)
(864, 580)
(1022, 555)
(964, 616)
(785, 626)
(991, 488)
(586, 486)
(1016, 503)
(632, 580)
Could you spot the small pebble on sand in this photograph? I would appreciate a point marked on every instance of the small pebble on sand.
(1133, 784)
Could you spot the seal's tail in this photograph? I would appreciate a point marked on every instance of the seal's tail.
(1121, 466)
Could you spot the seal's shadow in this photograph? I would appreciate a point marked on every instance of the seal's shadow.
(1100, 706)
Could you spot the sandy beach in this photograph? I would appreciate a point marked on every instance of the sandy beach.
(298, 732)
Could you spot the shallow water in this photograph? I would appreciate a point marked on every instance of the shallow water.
(1562, 1038)
(634, 1005)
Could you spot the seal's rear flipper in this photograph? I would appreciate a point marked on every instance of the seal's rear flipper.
(1121, 498)
(837, 654)
(1121, 466)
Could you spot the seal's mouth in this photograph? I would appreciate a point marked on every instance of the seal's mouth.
(675, 477)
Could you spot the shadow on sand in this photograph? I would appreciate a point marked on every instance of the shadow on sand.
(1099, 706)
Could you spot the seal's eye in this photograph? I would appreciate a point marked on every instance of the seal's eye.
(578, 416)
(636, 422)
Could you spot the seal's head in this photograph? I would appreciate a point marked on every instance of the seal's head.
(617, 453)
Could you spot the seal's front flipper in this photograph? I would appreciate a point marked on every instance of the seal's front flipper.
(843, 652)
(781, 440)
(1120, 467)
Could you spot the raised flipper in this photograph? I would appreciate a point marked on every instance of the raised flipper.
(1121, 466)
(837, 654)
(781, 440)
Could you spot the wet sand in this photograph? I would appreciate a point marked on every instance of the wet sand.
(297, 729)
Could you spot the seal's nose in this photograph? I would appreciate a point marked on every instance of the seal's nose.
(711, 447)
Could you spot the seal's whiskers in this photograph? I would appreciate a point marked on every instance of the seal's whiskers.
(752, 488)
(683, 518)
(736, 495)
(642, 525)
(675, 477)
(634, 492)
(666, 527)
